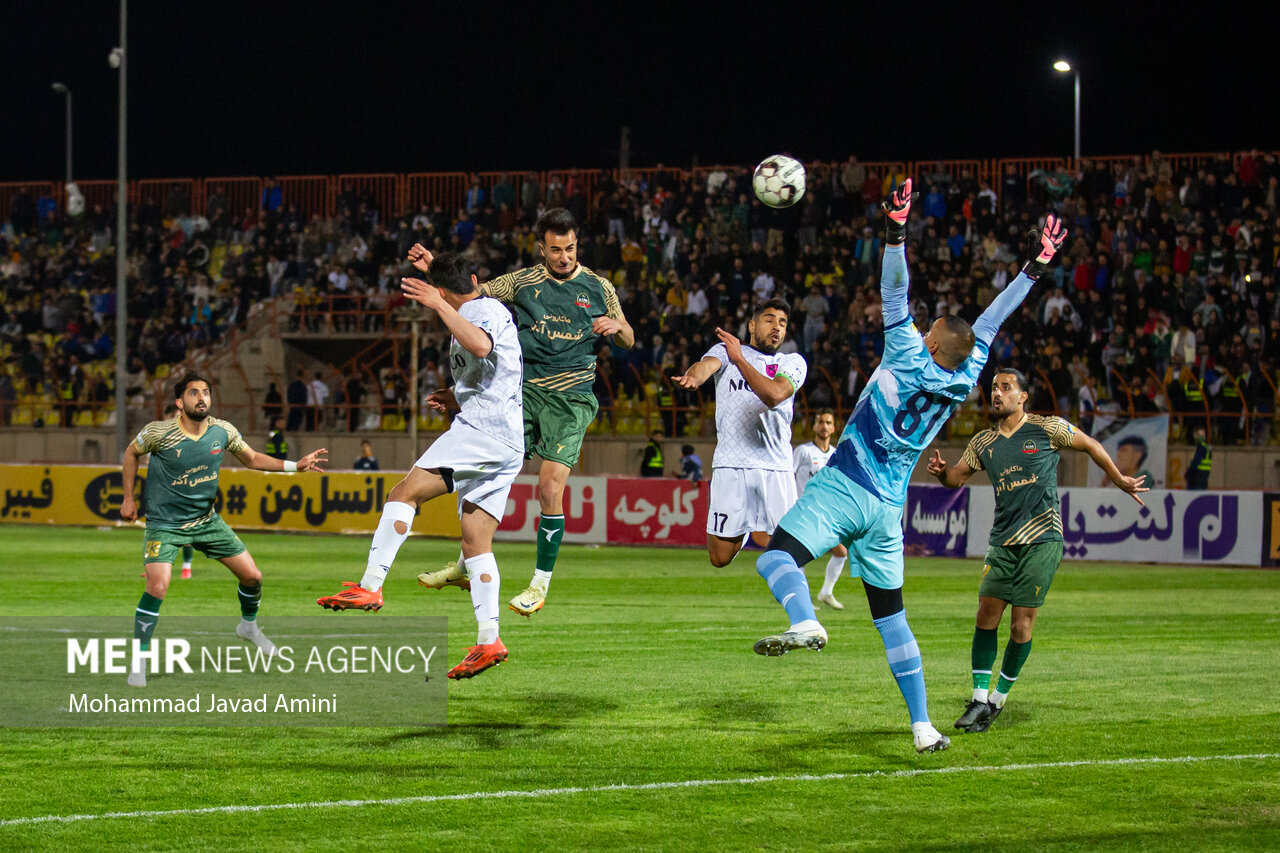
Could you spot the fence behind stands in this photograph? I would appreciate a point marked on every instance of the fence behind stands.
(396, 193)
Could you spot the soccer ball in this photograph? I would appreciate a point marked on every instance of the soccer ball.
(779, 181)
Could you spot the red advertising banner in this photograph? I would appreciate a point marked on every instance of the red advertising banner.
(657, 512)
(584, 510)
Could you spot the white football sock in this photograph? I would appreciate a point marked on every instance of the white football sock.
(979, 694)
(484, 595)
(997, 698)
(834, 566)
(386, 543)
(541, 579)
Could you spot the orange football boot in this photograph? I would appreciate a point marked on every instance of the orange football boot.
(480, 658)
(352, 597)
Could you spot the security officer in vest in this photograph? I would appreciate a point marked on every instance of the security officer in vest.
(1201, 463)
(277, 447)
(651, 465)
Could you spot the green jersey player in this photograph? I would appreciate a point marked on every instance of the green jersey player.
(182, 485)
(562, 309)
(1020, 455)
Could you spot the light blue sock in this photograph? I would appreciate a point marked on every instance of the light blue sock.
(905, 663)
(787, 583)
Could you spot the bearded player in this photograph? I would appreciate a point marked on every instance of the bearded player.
(562, 309)
(751, 481)
(478, 457)
(182, 484)
(807, 460)
(857, 499)
(1020, 455)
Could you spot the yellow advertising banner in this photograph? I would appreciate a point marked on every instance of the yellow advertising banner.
(337, 502)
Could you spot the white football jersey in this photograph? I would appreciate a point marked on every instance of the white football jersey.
(749, 434)
(489, 389)
(807, 460)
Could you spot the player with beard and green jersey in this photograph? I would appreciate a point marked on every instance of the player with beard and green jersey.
(562, 309)
(1020, 455)
(182, 485)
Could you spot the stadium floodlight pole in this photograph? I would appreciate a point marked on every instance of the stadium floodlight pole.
(117, 60)
(64, 89)
(1064, 67)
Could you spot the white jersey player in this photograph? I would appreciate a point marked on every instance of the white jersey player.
(478, 458)
(751, 480)
(808, 459)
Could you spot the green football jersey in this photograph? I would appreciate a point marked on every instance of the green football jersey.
(1023, 468)
(554, 318)
(182, 476)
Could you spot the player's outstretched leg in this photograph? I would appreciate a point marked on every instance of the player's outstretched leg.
(393, 530)
(787, 582)
(835, 565)
(552, 476)
(478, 527)
(903, 653)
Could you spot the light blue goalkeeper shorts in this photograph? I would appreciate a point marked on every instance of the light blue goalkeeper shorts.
(834, 510)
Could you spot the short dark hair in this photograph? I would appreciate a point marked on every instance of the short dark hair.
(1023, 385)
(450, 271)
(180, 387)
(655, 432)
(686, 450)
(557, 220)
(824, 411)
(962, 336)
(1138, 442)
(775, 304)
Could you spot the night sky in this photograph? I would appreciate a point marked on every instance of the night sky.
(235, 88)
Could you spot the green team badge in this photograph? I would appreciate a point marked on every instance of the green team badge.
(582, 301)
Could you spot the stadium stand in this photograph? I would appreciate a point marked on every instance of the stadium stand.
(1166, 297)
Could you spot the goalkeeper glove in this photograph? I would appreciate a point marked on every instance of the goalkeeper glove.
(896, 209)
(1042, 245)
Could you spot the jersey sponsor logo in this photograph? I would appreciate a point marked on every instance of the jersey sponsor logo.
(582, 301)
(771, 370)
(216, 449)
(1029, 446)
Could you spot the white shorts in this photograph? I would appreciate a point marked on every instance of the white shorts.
(483, 467)
(746, 500)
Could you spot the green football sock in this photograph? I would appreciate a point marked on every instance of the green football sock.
(145, 619)
(983, 657)
(550, 532)
(188, 554)
(250, 596)
(1015, 655)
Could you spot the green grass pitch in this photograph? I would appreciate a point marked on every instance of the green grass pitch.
(640, 671)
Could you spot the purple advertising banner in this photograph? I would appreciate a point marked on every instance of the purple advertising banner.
(936, 521)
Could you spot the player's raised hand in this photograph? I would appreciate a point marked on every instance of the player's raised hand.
(1042, 245)
(896, 209)
(937, 465)
(686, 381)
(420, 257)
(442, 400)
(732, 346)
(422, 293)
(898, 205)
(1133, 485)
(311, 462)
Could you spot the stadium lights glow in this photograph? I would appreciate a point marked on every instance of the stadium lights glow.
(1062, 65)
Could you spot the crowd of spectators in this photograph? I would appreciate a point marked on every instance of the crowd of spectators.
(1164, 298)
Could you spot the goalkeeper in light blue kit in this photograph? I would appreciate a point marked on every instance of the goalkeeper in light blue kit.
(857, 499)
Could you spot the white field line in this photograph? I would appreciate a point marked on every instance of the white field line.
(648, 786)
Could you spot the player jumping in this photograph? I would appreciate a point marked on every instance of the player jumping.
(1020, 455)
(857, 499)
(807, 460)
(478, 457)
(182, 484)
(561, 308)
(751, 480)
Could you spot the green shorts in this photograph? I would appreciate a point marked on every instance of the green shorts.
(1020, 574)
(214, 539)
(555, 423)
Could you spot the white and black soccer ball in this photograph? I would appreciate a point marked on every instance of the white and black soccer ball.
(779, 181)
